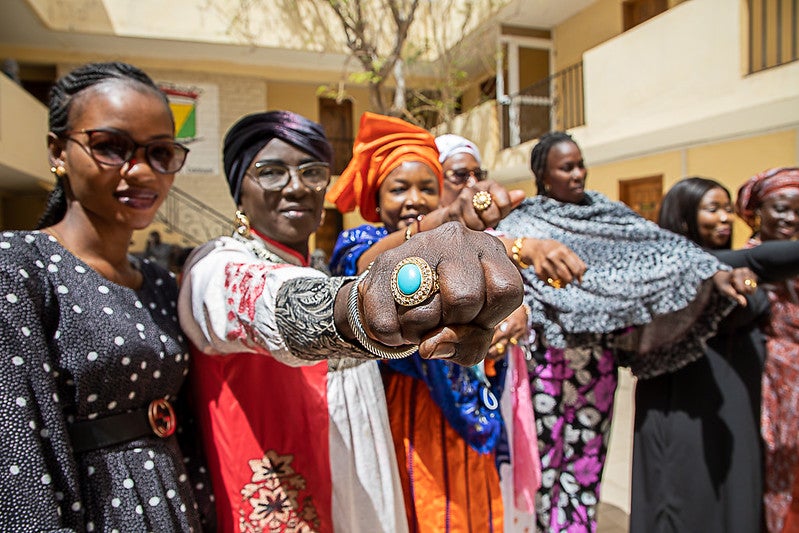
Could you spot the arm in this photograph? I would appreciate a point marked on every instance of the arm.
(461, 210)
(232, 301)
(771, 261)
(35, 454)
(549, 258)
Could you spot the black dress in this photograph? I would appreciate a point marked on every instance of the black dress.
(697, 454)
(75, 347)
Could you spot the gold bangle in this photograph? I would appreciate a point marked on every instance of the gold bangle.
(516, 251)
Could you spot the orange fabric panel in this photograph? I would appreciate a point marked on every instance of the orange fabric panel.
(448, 486)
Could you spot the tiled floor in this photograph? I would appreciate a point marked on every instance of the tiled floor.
(614, 507)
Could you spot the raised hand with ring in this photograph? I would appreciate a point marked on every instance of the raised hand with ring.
(478, 287)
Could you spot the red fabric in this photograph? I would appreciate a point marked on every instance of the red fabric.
(265, 431)
(383, 143)
(448, 486)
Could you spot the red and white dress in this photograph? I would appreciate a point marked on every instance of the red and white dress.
(294, 418)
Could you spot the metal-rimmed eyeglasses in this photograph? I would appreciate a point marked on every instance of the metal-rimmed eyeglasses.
(273, 176)
(114, 148)
(462, 175)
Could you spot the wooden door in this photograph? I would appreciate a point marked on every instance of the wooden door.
(637, 11)
(643, 195)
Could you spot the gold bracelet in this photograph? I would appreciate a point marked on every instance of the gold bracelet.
(516, 250)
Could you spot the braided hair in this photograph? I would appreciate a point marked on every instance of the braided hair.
(63, 95)
(679, 208)
(540, 153)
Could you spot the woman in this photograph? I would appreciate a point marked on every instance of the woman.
(315, 454)
(635, 299)
(769, 204)
(444, 418)
(697, 459)
(94, 357)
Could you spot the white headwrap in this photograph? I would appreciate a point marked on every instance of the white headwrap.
(449, 145)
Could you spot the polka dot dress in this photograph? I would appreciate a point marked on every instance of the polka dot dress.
(74, 347)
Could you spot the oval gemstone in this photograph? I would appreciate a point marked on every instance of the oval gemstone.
(409, 279)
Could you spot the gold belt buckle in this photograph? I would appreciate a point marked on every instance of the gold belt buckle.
(162, 417)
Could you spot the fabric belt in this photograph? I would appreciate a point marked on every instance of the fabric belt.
(158, 419)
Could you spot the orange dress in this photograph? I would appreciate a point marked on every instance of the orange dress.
(448, 485)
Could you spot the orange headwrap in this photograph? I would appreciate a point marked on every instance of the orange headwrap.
(383, 143)
(756, 188)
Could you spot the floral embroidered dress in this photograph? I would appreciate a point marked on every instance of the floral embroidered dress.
(77, 347)
(445, 420)
(296, 430)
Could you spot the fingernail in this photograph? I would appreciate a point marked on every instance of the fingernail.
(443, 350)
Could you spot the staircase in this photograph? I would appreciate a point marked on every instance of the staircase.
(192, 219)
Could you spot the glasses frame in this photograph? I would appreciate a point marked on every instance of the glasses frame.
(68, 135)
(296, 169)
(471, 173)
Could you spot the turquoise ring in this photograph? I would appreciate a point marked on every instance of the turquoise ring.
(413, 281)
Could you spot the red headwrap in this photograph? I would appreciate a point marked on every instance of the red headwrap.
(383, 143)
(752, 193)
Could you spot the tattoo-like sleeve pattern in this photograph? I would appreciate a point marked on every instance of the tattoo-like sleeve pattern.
(304, 316)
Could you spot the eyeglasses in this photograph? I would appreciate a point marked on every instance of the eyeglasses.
(274, 176)
(115, 148)
(461, 175)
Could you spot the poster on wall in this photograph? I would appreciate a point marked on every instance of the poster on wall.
(196, 112)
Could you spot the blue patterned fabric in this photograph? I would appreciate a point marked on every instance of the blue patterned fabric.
(468, 400)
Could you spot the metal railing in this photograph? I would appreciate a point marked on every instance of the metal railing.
(773, 36)
(192, 219)
(554, 103)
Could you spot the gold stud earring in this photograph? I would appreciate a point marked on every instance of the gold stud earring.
(242, 224)
(58, 171)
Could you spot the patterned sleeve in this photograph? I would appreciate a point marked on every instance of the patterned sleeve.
(228, 305)
(38, 491)
(350, 246)
(305, 319)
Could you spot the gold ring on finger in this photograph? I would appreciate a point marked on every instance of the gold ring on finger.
(500, 347)
(413, 281)
(482, 201)
(750, 283)
(554, 282)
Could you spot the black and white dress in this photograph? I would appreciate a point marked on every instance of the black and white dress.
(76, 347)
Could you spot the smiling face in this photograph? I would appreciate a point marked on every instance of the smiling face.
(565, 173)
(714, 219)
(408, 191)
(126, 196)
(779, 215)
(290, 215)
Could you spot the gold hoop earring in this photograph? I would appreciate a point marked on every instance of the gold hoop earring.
(59, 171)
(242, 224)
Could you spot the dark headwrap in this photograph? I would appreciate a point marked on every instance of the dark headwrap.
(251, 133)
(756, 188)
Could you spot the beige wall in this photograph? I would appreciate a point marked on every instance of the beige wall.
(593, 25)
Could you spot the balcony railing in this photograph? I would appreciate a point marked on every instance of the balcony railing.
(554, 103)
(773, 37)
(192, 219)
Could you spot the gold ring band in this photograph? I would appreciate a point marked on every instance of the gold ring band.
(554, 282)
(750, 283)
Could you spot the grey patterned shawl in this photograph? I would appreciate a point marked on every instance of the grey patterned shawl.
(638, 275)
